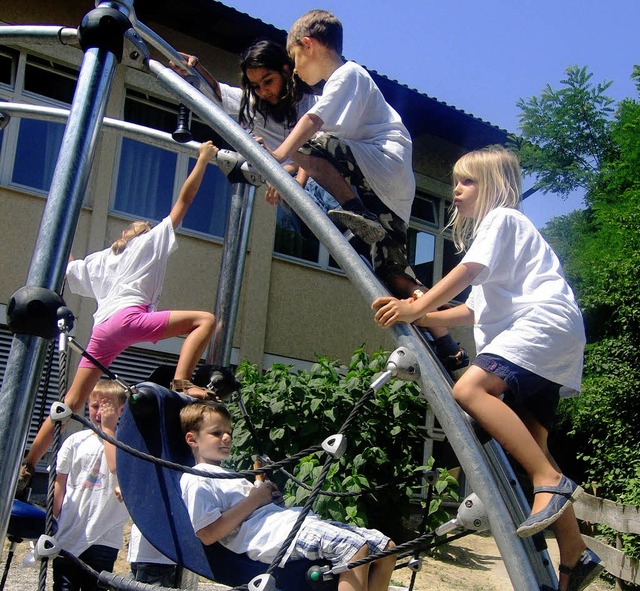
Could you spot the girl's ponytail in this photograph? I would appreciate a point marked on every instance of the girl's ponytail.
(134, 229)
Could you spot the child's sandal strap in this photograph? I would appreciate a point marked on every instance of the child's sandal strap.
(566, 570)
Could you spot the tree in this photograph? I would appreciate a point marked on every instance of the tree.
(566, 133)
(570, 138)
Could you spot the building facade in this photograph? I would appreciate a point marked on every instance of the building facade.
(295, 302)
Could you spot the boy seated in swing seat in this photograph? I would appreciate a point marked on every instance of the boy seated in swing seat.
(249, 518)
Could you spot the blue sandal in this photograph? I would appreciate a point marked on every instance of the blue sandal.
(563, 494)
(584, 572)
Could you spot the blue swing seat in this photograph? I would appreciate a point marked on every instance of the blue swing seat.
(152, 495)
(27, 521)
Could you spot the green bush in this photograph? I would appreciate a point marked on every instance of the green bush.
(296, 410)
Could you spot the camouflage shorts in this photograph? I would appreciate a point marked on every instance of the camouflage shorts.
(337, 152)
(389, 256)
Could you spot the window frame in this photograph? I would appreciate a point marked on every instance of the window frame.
(18, 94)
(182, 164)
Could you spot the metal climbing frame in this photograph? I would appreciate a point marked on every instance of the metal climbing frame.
(110, 35)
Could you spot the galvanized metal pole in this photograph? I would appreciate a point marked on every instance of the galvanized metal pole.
(236, 238)
(433, 384)
(50, 256)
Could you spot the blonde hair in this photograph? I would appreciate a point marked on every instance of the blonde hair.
(320, 25)
(109, 389)
(134, 229)
(193, 415)
(496, 172)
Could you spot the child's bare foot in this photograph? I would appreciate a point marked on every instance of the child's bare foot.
(186, 387)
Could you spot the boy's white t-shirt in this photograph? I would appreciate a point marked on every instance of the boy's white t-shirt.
(133, 277)
(91, 513)
(271, 131)
(524, 309)
(141, 550)
(353, 109)
(261, 535)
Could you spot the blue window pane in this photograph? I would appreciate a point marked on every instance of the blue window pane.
(145, 180)
(36, 154)
(421, 254)
(208, 212)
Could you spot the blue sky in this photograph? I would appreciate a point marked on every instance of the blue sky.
(482, 57)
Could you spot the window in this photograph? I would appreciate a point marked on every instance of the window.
(293, 237)
(37, 143)
(421, 253)
(149, 177)
(8, 61)
(450, 259)
(36, 153)
(421, 238)
(425, 210)
(43, 77)
(208, 214)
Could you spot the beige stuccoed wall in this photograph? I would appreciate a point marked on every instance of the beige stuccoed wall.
(319, 310)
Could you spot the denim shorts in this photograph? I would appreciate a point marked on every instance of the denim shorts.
(527, 390)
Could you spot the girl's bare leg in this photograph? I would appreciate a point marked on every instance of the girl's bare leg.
(83, 384)
(477, 392)
(566, 530)
(198, 326)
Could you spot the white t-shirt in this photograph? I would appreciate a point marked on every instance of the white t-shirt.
(261, 535)
(133, 277)
(524, 309)
(140, 550)
(354, 110)
(271, 131)
(91, 513)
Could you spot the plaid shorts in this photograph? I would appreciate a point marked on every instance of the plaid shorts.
(389, 256)
(334, 541)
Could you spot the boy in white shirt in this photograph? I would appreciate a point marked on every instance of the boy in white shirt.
(351, 138)
(251, 519)
(90, 516)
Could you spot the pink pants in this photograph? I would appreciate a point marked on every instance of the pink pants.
(121, 330)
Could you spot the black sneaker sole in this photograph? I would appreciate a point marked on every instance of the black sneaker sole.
(370, 231)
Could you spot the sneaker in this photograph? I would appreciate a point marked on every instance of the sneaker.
(456, 361)
(362, 223)
(584, 572)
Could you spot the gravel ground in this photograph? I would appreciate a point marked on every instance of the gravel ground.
(21, 578)
(472, 563)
